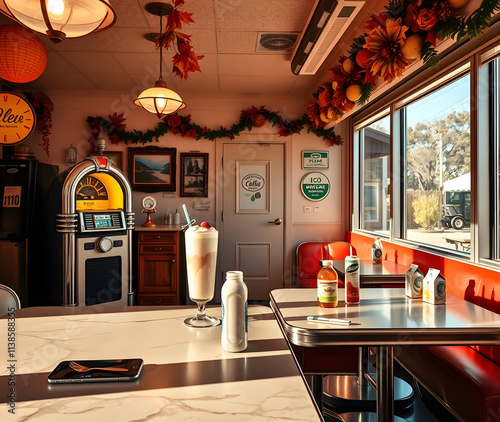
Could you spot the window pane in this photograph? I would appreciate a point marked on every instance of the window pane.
(438, 167)
(375, 201)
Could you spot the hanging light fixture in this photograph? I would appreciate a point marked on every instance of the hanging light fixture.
(159, 99)
(22, 55)
(61, 19)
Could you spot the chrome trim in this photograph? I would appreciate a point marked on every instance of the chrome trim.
(334, 336)
(68, 218)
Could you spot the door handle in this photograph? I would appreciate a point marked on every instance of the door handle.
(278, 221)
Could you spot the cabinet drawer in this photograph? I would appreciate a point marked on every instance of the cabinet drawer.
(158, 237)
(168, 248)
(158, 300)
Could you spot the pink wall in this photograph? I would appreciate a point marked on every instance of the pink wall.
(469, 281)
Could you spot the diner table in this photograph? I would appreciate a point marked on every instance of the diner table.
(186, 374)
(387, 319)
(345, 390)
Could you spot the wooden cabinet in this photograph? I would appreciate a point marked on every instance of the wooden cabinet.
(158, 267)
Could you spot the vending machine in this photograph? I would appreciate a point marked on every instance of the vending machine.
(25, 227)
(94, 226)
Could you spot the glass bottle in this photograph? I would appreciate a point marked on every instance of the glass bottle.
(327, 285)
(377, 251)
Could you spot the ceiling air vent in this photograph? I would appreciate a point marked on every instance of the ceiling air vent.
(276, 42)
(329, 19)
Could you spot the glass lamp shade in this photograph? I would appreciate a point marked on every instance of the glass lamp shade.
(160, 100)
(61, 19)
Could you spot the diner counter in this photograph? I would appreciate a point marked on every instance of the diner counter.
(186, 374)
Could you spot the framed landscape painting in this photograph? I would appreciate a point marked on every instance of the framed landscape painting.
(194, 174)
(152, 169)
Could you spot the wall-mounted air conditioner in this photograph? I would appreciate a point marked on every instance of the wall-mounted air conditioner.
(329, 19)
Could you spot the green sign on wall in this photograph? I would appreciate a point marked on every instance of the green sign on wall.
(315, 186)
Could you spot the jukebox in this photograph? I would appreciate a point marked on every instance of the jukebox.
(95, 235)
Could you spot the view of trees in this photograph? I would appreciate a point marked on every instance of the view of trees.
(424, 155)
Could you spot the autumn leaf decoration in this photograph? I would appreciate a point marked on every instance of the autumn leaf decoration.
(185, 60)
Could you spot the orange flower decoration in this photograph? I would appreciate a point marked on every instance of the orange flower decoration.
(426, 19)
(387, 60)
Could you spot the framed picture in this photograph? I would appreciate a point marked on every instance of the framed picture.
(152, 169)
(194, 174)
(116, 157)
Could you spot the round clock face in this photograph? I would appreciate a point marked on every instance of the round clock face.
(17, 118)
(148, 203)
(91, 188)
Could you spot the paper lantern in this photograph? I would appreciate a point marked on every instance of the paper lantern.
(22, 55)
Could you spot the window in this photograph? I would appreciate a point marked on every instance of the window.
(373, 143)
(437, 188)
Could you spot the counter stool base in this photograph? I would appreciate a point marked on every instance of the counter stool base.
(342, 392)
(366, 417)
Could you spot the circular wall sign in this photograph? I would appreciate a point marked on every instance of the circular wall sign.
(17, 118)
(315, 186)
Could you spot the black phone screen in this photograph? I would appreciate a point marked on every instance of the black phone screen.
(112, 370)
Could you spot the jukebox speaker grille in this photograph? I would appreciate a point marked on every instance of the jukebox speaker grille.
(103, 280)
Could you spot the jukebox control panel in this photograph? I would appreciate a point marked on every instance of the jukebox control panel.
(95, 221)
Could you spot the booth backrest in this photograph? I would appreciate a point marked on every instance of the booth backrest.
(310, 253)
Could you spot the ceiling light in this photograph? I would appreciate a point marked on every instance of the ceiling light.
(159, 99)
(61, 19)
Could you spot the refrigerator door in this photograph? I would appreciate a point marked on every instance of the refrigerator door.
(17, 191)
(14, 267)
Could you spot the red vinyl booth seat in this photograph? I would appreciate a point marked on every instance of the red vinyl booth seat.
(310, 253)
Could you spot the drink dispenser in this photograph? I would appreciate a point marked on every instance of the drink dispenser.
(95, 235)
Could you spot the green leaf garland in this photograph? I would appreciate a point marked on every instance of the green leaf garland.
(250, 118)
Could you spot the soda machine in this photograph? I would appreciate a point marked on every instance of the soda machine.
(24, 227)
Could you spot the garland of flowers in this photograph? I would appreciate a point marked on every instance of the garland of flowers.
(405, 32)
(250, 118)
(43, 107)
(185, 60)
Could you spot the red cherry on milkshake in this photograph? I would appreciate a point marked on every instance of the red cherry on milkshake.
(205, 225)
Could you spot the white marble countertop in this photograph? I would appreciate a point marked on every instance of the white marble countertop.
(186, 375)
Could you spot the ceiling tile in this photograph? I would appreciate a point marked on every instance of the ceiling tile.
(254, 64)
(73, 81)
(111, 81)
(263, 15)
(90, 62)
(236, 42)
(255, 85)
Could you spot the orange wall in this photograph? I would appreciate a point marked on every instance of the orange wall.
(469, 281)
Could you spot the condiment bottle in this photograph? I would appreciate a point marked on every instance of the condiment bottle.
(377, 251)
(234, 336)
(351, 279)
(327, 285)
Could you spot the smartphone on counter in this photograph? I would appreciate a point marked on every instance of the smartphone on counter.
(126, 370)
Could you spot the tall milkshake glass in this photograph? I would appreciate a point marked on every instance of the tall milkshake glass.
(201, 260)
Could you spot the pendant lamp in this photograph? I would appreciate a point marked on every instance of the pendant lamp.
(159, 99)
(61, 19)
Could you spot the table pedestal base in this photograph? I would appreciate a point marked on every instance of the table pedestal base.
(366, 417)
(344, 392)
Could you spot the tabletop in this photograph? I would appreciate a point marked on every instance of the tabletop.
(186, 374)
(385, 316)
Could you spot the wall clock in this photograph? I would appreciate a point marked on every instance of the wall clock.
(17, 118)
